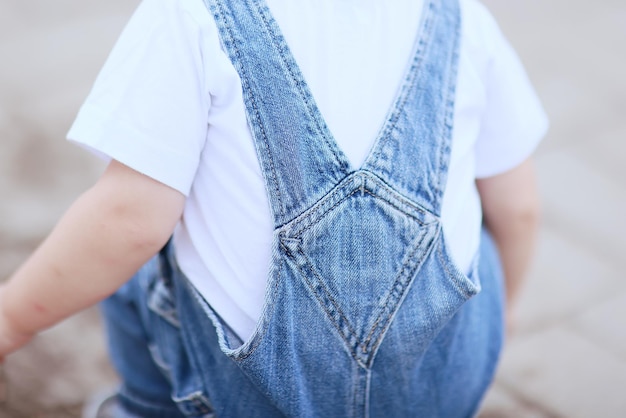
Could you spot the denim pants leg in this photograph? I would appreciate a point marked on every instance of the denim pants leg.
(147, 350)
(141, 330)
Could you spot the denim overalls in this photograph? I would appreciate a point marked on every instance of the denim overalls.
(366, 314)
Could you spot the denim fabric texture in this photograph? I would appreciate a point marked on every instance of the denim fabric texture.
(366, 314)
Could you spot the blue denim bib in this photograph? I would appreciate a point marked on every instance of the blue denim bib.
(361, 315)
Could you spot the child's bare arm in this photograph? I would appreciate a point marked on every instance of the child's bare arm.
(511, 212)
(104, 237)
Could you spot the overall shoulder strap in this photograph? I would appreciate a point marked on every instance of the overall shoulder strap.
(300, 160)
(413, 149)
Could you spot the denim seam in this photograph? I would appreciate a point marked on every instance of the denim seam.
(196, 401)
(366, 403)
(193, 357)
(389, 190)
(156, 302)
(452, 275)
(408, 84)
(316, 213)
(256, 338)
(220, 17)
(320, 216)
(298, 78)
(198, 404)
(412, 265)
(393, 300)
(323, 305)
(318, 209)
(445, 142)
(158, 359)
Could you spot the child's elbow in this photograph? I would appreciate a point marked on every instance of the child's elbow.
(511, 198)
(526, 214)
(143, 236)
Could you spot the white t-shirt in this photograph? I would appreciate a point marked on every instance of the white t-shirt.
(168, 104)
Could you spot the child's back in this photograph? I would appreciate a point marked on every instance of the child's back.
(344, 204)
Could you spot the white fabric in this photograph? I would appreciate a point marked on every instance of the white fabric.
(168, 104)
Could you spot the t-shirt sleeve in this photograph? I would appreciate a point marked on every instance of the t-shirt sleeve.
(514, 121)
(149, 106)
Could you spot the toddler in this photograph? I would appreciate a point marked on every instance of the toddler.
(290, 222)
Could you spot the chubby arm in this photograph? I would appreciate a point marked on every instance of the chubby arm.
(100, 242)
(511, 213)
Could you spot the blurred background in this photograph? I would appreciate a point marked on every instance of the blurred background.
(568, 356)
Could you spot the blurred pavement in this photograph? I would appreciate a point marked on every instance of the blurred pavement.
(568, 356)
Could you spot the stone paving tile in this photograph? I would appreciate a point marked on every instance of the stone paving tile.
(606, 154)
(576, 115)
(11, 256)
(48, 117)
(565, 374)
(65, 412)
(500, 403)
(9, 22)
(73, 361)
(571, 56)
(40, 172)
(18, 17)
(43, 159)
(605, 325)
(30, 216)
(564, 279)
(52, 61)
(4, 120)
(584, 205)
